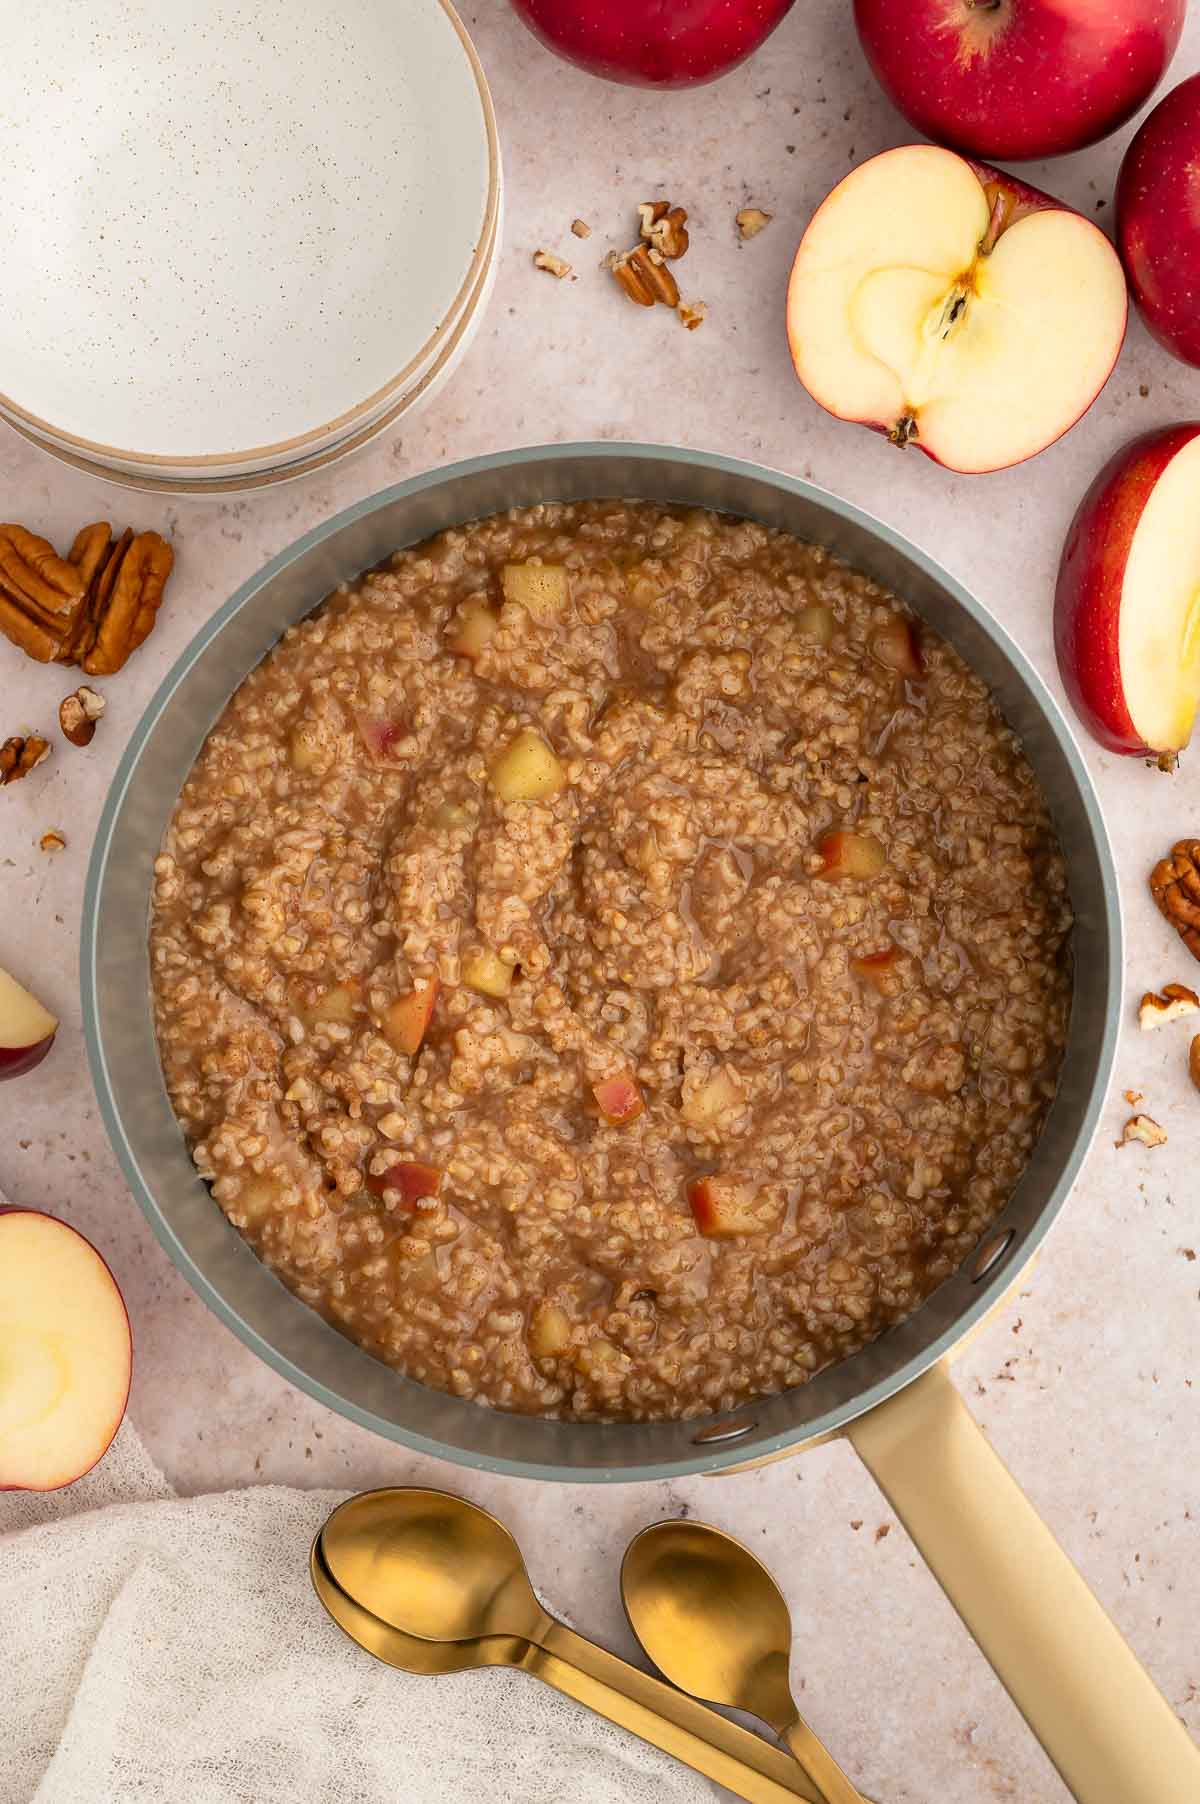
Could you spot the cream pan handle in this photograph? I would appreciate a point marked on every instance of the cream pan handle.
(1092, 1705)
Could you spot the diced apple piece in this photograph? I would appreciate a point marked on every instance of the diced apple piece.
(411, 1179)
(619, 1098)
(257, 1198)
(711, 1099)
(381, 733)
(405, 1020)
(1127, 603)
(722, 1208)
(599, 1359)
(877, 967)
(527, 770)
(65, 1353)
(27, 1030)
(815, 622)
(338, 1004)
(954, 308)
(476, 628)
(306, 746)
(541, 589)
(896, 645)
(549, 1331)
(484, 971)
(850, 855)
(451, 815)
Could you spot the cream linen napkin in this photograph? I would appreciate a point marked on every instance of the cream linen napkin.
(167, 1650)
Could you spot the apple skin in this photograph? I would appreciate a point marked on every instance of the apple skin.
(1059, 74)
(1087, 598)
(1158, 220)
(16, 1209)
(653, 43)
(15, 1061)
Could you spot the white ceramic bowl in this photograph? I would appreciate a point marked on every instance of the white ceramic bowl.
(241, 239)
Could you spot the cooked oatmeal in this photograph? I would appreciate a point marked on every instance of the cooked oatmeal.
(611, 963)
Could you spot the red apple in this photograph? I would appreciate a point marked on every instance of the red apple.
(27, 1030)
(722, 1207)
(1158, 220)
(406, 1019)
(1019, 78)
(1127, 605)
(410, 1178)
(66, 1355)
(619, 1098)
(952, 307)
(653, 43)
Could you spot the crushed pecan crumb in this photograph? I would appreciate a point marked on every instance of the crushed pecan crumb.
(1134, 1097)
(52, 840)
(1143, 1128)
(1172, 1004)
(693, 314)
(581, 228)
(555, 266)
(1175, 886)
(93, 607)
(21, 754)
(663, 227)
(751, 221)
(78, 714)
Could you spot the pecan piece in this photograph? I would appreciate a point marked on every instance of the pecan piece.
(52, 841)
(32, 573)
(692, 314)
(28, 634)
(126, 609)
(664, 227)
(1194, 1061)
(645, 278)
(751, 221)
(1175, 1001)
(78, 714)
(1175, 886)
(21, 754)
(1143, 1128)
(554, 266)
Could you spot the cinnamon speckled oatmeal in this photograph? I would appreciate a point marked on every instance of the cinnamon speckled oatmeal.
(610, 963)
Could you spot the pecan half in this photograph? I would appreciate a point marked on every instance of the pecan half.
(664, 227)
(645, 278)
(21, 754)
(1175, 886)
(128, 605)
(78, 714)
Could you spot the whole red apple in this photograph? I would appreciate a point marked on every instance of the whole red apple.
(653, 43)
(1158, 220)
(1127, 604)
(1019, 78)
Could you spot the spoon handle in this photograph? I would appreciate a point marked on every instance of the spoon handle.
(655, 1712)
(820, 1764)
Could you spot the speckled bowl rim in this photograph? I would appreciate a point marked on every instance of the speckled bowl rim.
(238, 481)
(51, 437)
(707, 1457)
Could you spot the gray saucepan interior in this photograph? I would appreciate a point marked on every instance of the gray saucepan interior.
(116, 989)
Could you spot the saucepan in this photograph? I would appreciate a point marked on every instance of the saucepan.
(1108, 1730)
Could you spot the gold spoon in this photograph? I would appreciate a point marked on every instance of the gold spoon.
(712, 1618)
(432, 1584)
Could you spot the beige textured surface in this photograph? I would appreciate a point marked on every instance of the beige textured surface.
(1090, 1384)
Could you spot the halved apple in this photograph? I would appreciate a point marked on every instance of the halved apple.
(66, 1355)
(1127, 604)
(952, 307)
(27, 1030)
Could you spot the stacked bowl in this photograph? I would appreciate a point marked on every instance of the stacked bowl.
(242, 240)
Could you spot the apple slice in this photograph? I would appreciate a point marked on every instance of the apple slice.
(1127, 604)
(950, 306)
(405, 1020)
(722, 1208)
(619, 1098)
(411, 1179)
(27, 1030)
(66, 1355)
